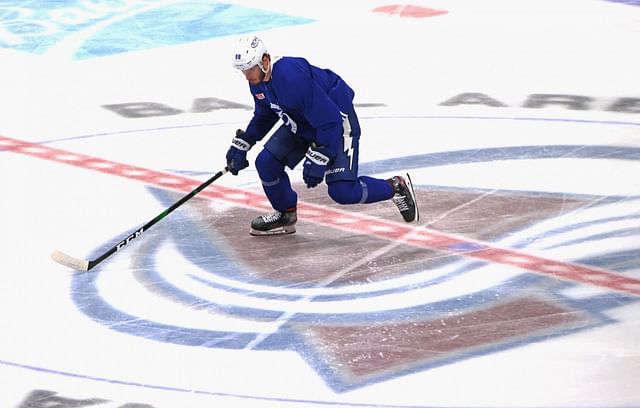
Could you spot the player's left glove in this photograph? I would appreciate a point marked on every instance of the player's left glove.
(315, 163)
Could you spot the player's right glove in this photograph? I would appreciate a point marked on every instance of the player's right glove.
(237, 153)
(315, 163)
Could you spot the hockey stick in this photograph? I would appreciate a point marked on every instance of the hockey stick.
(84, 265)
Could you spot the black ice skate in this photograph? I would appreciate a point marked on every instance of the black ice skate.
(405, 198)
(277, 223)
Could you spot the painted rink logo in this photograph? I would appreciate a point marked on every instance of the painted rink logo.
(363, 299)
(81, 29)
(352, 309)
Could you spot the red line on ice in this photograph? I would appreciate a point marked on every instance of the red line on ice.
(354, 222)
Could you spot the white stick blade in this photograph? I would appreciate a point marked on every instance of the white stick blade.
(71, 262)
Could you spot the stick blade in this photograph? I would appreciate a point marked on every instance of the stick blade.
(71, 262)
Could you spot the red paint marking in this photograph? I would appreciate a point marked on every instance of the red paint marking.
(408, 10)
(343, 220)
(379, 348)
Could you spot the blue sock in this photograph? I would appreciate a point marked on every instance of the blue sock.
(364, 190)
(377, 189)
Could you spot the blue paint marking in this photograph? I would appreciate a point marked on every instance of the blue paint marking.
(466, 246)
(502, 153)
(629, 2)
(124, 26)
(573, 227)
(87, 298)
(426, 117)
(160, 387)
(622, 261)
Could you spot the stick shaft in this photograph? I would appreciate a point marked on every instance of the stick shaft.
(83, 265)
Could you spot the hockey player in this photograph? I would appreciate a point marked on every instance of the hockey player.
(319, 126)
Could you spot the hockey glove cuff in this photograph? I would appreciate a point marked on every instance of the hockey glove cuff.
(316, 161)
(237, 153)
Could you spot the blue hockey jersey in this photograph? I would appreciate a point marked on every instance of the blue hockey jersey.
(308, 99)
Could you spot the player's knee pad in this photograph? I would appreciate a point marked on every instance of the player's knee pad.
(268, 166)
(345, 192)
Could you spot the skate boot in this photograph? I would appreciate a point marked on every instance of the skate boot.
(277, 223)
(404, 197)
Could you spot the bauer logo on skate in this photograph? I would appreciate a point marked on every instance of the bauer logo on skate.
(354, 317)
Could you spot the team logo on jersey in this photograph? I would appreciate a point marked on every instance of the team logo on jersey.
(284, 116)
(260, 95)
(347, 138)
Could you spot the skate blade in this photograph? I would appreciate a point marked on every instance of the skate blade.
(290, 229)
(413, 195)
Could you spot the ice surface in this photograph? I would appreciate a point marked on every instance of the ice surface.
(518, 287)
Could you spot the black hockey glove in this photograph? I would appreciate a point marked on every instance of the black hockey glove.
(315, 164)
(237, 153)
